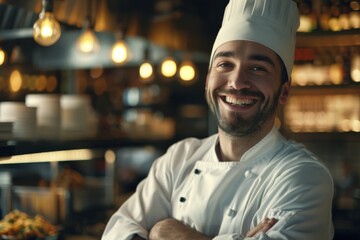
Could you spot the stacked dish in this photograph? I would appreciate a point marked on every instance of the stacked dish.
(22, 117)
(48, 114)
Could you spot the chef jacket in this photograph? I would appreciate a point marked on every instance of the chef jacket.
(276, 178)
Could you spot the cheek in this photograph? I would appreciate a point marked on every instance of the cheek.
(213, 82)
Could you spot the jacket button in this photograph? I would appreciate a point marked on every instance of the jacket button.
(197, 171)
(248, 173)
(182, 199)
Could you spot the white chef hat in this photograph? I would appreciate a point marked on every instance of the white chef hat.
(272, 23)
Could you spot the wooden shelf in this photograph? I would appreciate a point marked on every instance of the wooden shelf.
(326, 89)
(329, 39)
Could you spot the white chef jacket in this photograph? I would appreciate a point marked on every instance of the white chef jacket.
(275, 178)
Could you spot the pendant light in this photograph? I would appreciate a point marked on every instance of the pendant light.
(187, 71)
(46, 30)
(146, 70)
(120, 50)
(87, 42)
(168, 67)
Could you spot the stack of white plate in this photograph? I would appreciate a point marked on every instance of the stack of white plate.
(77, 116)
(23, 118)
(48, 114)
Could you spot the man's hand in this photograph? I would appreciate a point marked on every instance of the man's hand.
(174, 229)
(263, 226)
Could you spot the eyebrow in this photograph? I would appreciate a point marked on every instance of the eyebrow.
(262, 58)
(254, 57)
(224, 54)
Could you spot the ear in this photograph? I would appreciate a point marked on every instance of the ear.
(285, 90)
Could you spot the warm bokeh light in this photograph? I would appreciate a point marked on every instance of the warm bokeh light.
(355, 68)
(120, 52)
(336, 74)
(110, 156)
(2, 56)
(326, 113)
(334, 24)
(306, 24)
(146, 71)
(187, 71)
(46, 30)
(41, 82)
(15, 81)
(67, 155)
(88, 42)
(168, 67)
(51, 84)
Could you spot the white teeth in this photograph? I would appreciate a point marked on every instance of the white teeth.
(242, 101)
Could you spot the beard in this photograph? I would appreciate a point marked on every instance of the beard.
(238, 126)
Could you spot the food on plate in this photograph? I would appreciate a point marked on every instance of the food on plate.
(20, 225)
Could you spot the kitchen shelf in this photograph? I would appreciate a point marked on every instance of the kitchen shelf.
(14, 148)
(335, 137)
(328, 39)
(353, 88)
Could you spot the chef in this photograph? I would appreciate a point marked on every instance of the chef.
(247, 181)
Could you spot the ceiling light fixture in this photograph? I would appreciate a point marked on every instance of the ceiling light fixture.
(120, 50)
(146, 70)
(46, 30)
(187, 71)
(168, 67)
(88, 42)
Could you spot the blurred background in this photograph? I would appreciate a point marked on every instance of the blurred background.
(93, 91)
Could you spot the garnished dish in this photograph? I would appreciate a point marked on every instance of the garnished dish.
(18, 225)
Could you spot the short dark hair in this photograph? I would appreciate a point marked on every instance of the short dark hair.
(284, 75)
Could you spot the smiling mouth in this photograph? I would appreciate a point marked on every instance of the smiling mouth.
(242, 102)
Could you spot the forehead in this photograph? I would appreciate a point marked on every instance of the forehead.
(247, 48)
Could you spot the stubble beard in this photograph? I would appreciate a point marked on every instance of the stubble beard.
(237, 126)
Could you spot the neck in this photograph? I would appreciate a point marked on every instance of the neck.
(232, 148)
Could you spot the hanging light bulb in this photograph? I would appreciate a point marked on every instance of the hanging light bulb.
(46, 30)
(88, 42)
(2, 56)
(146, 69)
(120, 50)
(168, 67)
(187, 71)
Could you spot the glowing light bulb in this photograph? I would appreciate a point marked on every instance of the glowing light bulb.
(2, 56)
(355, 68)
(46, 30)
(88, 42)
(168, 67)
(146, 71)
(187, 71)
(119, 52)
(15, 81)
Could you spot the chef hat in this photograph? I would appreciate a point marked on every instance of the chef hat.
(272, 23)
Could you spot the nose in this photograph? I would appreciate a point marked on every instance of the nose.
(238, 80)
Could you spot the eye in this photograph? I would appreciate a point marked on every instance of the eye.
(258, 68)
(224, 65)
